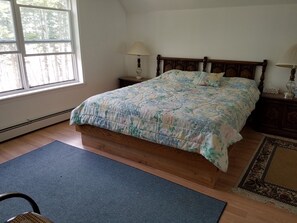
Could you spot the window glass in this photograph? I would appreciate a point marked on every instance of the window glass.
(10, 78)
(59, 4)
(5, 47)
(42, 70)
(40, 24)
(7, 36)
(36, 48)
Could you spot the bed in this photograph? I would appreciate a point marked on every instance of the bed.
(174, 122)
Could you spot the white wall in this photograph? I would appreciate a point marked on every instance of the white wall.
(102, 36)
(237, 33)
(242, 33)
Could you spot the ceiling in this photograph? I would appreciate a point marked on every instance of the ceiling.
(142, 6)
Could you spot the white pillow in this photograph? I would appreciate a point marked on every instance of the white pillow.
(209, 79)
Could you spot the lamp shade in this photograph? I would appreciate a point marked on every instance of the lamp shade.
(138, 48)
(289, 59)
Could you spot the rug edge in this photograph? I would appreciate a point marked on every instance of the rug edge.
(257, 197)
(265, 200)
(244, 172)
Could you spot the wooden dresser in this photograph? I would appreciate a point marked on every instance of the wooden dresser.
(129, 80)
(277, 115)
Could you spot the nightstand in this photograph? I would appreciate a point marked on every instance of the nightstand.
(277, 115)
(129, 80)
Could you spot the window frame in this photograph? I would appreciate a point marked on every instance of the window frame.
(21, 51)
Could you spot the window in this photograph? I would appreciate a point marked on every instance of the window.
(36, 45)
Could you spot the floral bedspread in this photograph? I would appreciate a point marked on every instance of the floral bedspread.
(172, 110)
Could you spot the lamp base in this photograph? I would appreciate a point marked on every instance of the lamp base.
(289, 95)
(138, 71)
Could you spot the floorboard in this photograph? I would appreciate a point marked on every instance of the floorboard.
(239, 208)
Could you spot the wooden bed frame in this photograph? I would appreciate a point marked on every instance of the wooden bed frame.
(187, 165)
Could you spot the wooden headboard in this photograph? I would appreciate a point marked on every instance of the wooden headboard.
(232, 68)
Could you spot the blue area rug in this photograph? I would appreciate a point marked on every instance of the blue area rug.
(73, 185)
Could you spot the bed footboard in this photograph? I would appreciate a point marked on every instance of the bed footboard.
(190, 166)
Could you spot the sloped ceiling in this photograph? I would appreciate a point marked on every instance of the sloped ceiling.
(142, 6)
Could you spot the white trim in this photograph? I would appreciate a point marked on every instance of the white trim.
(47, 54)
(9, 52)
(24, 92)
(43, 7)
(48, 41)
(32, 125)
(77, 61)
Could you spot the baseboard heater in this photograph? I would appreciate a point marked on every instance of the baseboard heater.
(34, 124)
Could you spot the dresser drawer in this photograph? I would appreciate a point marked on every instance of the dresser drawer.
(276, 115)
(290, 119)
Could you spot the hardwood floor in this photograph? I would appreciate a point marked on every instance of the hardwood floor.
(239, 208)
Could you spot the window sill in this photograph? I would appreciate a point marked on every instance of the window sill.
(36, 91)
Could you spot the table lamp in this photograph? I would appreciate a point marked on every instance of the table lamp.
(138, 49)
(289, 60)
